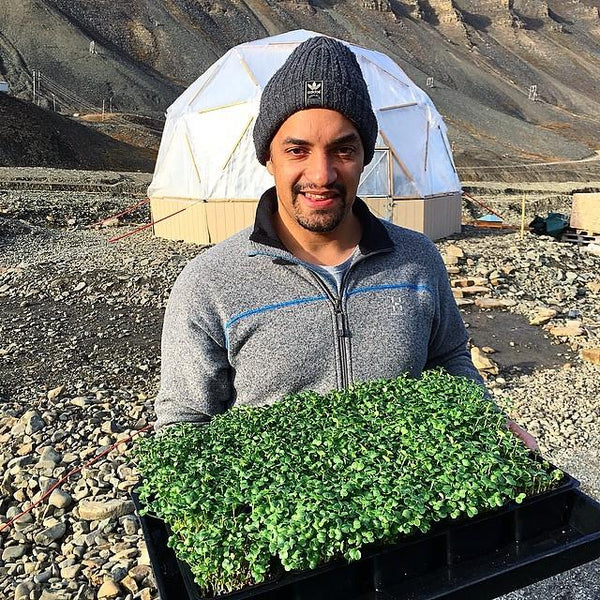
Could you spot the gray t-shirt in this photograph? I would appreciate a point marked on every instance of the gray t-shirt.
(335, 273)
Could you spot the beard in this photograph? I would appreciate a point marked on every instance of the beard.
(324, 220)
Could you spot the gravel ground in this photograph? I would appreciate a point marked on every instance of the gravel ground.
(79, 366)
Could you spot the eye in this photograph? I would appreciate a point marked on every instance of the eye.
(346, 151)
(296, 151)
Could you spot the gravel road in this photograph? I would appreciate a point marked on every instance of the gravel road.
(79, 365)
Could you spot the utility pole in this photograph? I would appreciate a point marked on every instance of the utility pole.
(33, 92)
(103, 109)
(54, 101)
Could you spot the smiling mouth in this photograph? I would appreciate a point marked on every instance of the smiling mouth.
(319, 196)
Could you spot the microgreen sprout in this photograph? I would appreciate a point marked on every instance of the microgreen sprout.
(318, 477)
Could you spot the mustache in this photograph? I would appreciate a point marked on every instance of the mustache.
(299, 188)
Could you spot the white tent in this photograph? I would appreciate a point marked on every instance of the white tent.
(206, 157)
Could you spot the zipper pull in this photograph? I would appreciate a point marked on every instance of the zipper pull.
(341, 325)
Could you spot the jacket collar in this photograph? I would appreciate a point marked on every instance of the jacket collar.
(374, 238)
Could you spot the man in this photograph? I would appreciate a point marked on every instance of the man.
(319, 293)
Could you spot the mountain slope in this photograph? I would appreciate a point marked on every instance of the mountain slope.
(31, 136)
(483, 56)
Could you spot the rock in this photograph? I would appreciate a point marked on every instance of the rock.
(592, 249)
(494, 303)
(42, 577)
(33, 422)
(462, 282)
(60, 498)
(23, 590)
(457, 292)
(130, 525)
(56, 392)
(482, 363)
(109, 589)
(91, 510)
(130, 584)
(49, 456)
(145, 594)
(112, 222)
(567, 331)
(591, 355)
(12, 553)
(475, 289)
(79, 286)
(80, 401)
(453, 270)
(144, 558)
(488, 350)
(454, 250)
(464, 302)
(450, 260)
(70, 572)
(542, 316)
(50, 534)
(139, 572)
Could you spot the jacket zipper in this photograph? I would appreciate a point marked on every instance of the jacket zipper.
(340, 316)
(341, 320)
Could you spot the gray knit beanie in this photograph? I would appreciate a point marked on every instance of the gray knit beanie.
(320, 73)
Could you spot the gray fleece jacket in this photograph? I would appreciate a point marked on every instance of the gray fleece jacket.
(247, 322)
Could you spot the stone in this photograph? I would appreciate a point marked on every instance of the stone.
(542, 316)
(42, 577)
(56, 392)
(130, 584)
(80, 401)
(49, 456)
(464, 302)
(488, 350)
(60, 498)
(591, 355)
(91, 510)
(145, 594)
(23, 590)
(450, 260)
(109, 589)
(482, 363)
(462, 282)
(144, 558)
(457, 292)
(139, 572)
(454, 250)
(79, 286)
(33, 422)
(475, 289)
(112, 222)
(70, 572)
(494, 303)
(453, 270)
(130, 525)
(12, 553)
(567, 331)
(57, 595)
(50, 534)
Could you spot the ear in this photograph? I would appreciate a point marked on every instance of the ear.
(269, 165)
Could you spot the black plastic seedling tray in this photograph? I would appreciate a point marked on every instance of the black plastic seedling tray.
(478, 558)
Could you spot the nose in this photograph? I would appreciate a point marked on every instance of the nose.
(321, 170)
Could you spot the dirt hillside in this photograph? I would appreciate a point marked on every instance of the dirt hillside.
(32, 136)
(481, 59)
